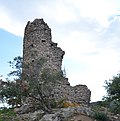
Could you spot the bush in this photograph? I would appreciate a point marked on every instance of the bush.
(52, 103)
(113, 94)
(7, 115)
(101, 116)
(115, 107)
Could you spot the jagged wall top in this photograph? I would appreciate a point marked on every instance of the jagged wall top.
(37, 25)
(38, 44)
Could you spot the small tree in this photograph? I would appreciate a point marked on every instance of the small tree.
(41, 82)
(11, 91)
(16, 64)
(113, 93)
(38, 83)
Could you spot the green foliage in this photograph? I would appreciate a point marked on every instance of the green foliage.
(52, 103)
(60, 104)
(41, 82)
(41, 61)
(42, 89)
(16, 64)
(99, 106)
(101, 116)
(7, 115)
(113, 94)
(115, 107)
(38, 83)
(113, 88)
(12, 93)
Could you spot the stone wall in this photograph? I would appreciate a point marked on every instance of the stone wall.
(77, 94)
(38, 44)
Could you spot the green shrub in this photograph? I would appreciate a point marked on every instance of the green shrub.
(60, 104)
(115, 107)
(101, 116)
(7, 115)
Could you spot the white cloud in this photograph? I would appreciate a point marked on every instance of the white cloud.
(100, 67)
(63, 13)
(98, 10)
(10, 24)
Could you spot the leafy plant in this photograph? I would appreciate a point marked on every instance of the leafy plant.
(41, 81)
(7, 115)
(12, 94)
(115, 107)
(113, 94)
(101, 116)
(16, 64)
(38, 83)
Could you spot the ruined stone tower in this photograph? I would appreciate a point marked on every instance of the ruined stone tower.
(38, 47)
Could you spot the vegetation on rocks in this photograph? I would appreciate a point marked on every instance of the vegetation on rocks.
(15, 92)
(40, 91)
(8, 115)
(112, 100)
(101, 116)
(11, 91)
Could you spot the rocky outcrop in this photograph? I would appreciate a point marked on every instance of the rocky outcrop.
(57, 114)
(31, 116)
(66, 113)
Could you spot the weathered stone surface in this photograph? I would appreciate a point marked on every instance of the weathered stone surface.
(56, 115)
(79, 94)
(35, 116)
(38, 44)
(66, 113)
(28, 106)
(113, 117)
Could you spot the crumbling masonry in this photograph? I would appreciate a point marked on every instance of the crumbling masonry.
(38, 44)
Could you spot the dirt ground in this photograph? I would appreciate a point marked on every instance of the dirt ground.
(81, 118)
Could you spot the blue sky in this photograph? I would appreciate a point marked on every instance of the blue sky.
(87, 30)
(10, 47)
